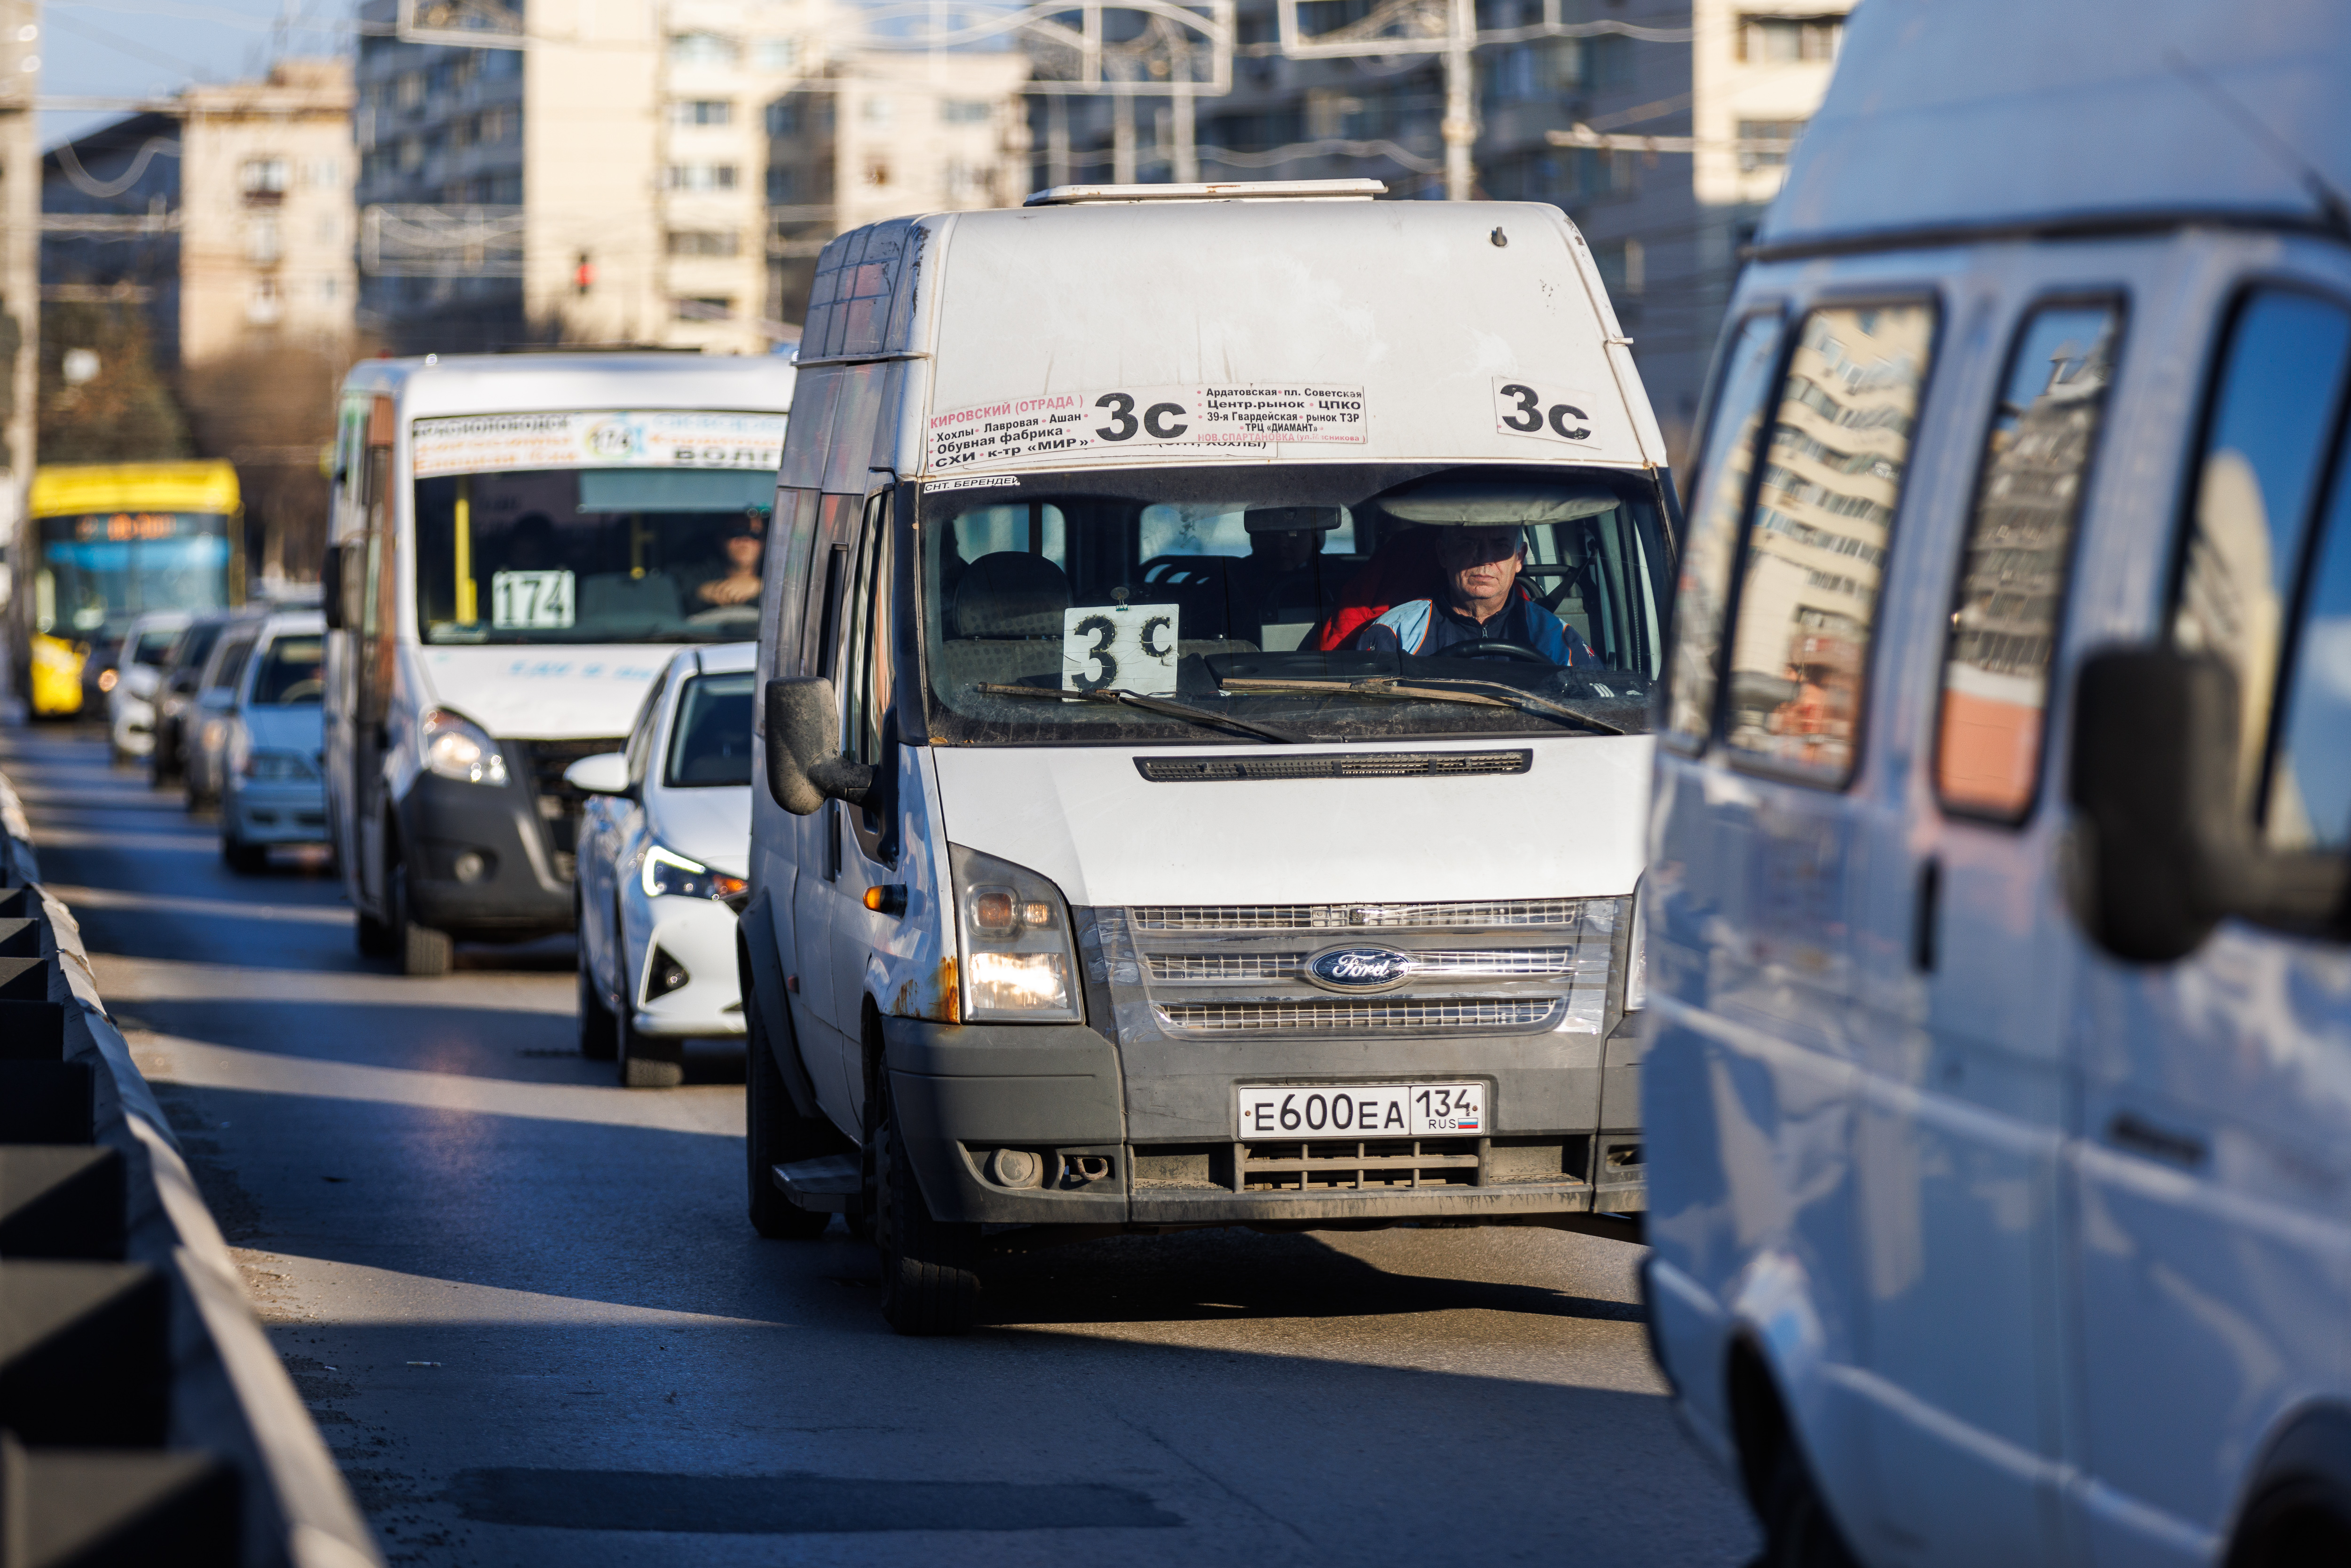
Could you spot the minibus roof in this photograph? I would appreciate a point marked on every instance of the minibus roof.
(505, 383)
(1362, 331)
(1979, 117)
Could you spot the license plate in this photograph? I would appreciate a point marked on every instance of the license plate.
(1361, 1110)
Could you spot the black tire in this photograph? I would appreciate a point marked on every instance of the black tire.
(243, 859)
(649, 1062)
(422, 951)
(1799, 1531)
(376, 939)
(774, 1133)
(600, 1038)
(930, 1267)
(2305, 1523)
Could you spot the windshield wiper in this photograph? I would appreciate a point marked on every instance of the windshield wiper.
(1438, 688)
(1120, 696)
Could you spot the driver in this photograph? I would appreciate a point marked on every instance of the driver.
(1480, 600)
(742, 546)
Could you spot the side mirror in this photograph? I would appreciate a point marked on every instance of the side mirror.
(805, 765)
(330, 585)
(2163, 851)
(606, 773)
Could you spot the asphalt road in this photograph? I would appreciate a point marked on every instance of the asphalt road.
(527, 1310)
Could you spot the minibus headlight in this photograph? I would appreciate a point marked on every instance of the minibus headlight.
(1017, 964)
(459, 748)
(668, 873)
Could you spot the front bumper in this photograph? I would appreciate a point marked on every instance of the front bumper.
(699, 933)
(1063, 1092)
(275, 813)
(477, 862)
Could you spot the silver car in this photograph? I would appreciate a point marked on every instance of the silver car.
(271, 789)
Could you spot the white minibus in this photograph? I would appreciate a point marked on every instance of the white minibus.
(1205, 699)
(519, 545)
(1998, 1093)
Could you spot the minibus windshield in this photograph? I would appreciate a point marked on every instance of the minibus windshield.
(590, 555)
(1307, 602)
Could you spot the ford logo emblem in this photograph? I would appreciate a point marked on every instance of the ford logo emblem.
(1359, 968)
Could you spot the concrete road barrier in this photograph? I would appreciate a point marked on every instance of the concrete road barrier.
(144, 1417)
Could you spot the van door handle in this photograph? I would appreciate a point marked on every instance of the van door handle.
(2131, 1131)
(1924, 913)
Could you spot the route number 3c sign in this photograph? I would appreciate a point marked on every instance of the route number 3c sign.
(1130, 647)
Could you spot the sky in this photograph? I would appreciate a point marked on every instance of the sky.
(135, 48)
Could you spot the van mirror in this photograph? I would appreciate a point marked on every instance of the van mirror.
(330, 587)
(805, 765)
(2161, 852)
(606, 773)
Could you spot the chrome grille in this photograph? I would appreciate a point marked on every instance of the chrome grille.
(1224, 966)
(1386, 1013)
(1494, 963)
(1356, 916)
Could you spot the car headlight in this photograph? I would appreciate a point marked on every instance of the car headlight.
(1636, 952)
(1017, 962)
(667, 873)
(459, 748)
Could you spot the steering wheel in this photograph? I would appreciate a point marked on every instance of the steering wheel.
(1494, 647)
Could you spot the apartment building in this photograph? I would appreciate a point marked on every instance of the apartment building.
(1724, 85)
(612, 180)
(228, 218)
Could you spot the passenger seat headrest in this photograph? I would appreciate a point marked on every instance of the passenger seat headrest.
(1011, 593)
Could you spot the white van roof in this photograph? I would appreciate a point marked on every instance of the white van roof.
(1964, 116)
(1388, 330)
(508, 383)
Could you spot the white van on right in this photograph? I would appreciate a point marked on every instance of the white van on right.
(1998, 1085)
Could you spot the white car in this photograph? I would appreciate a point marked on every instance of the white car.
(131, 701)
(271, 789)
(662, 845)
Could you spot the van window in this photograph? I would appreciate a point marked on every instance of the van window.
(591, 555)
(231, 664)
(1817, 538)
(2265, 439)
(1112, 581)
(710, 742)
(1726, 459)
(2011, 587)
(2309, 796)
(293, 671)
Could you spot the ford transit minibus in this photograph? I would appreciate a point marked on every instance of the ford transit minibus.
(519, 543)
(1997, 1100)
(1088, 888)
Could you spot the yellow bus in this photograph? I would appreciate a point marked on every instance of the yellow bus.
(105, 543)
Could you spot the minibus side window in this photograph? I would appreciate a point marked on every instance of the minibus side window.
(1727, 460)
(2309, 793)
(2011, 584)
(1825, 501)
(869, 637)
(2273, 407)
(836, 535)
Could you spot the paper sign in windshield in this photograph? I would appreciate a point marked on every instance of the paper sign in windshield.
(532, 600)
(1545, 411)
(1250, 417)
(658, 438)
(1128, 647)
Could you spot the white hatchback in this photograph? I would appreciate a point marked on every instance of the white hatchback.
(662, 844)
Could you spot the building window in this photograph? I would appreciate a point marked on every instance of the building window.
(328, 289)
(263, 179)
(263, 242)
(408, 90)
(701, 176)
(412, 153)
(704, 242)
(1756, 137)
(702, 111)
(776, 54)
(704, 308)
(783, 185)
(702, 49)
(1784, 40)
(965, 111)
(263, 305)
(880, 110)
(784, 118)
(1621, 266)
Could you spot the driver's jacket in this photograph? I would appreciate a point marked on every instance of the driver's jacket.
(1426, 626)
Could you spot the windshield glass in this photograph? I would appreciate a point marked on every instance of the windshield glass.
(152, 646)
(292, 672)
(591, 555)
(710, 743)
(1305, 601)
(97, 572)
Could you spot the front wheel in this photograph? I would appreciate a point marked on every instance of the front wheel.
(930, 1267)
(600, 1038)
(243, 859)
(1799, 1531)
(423, 951)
